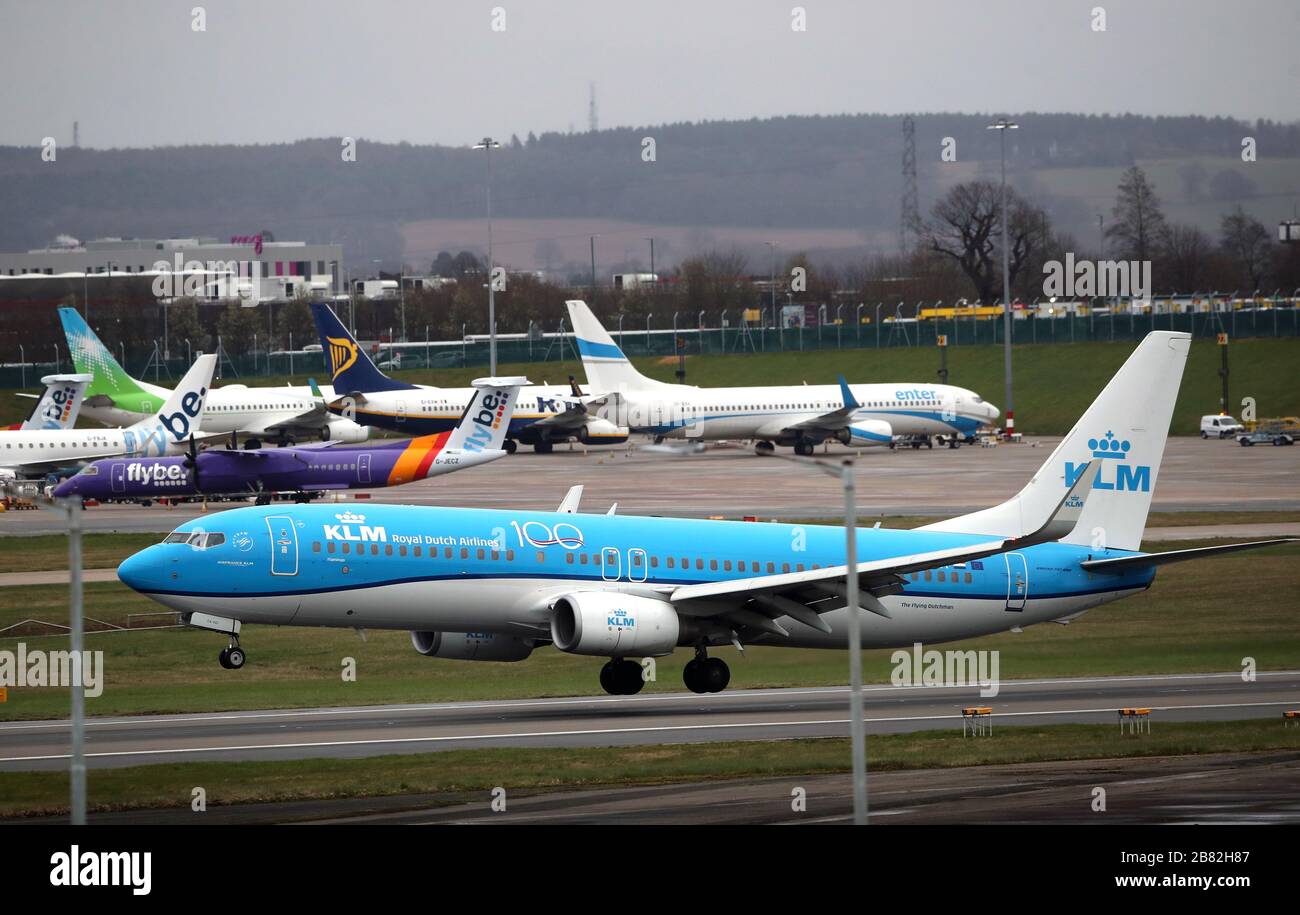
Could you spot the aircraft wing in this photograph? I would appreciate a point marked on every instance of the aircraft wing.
(573, 417)
(830, 421)
(758, 602)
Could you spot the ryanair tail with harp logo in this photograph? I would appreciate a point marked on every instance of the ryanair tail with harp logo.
(351, 370)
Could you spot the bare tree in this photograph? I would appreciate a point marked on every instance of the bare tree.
(1137, 225)
(1185, 258)
(966, 227)
(1247, 243)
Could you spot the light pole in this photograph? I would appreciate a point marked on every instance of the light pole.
(487, 144)
(652, 260)
(1002, 126)
(857, 713)
(593, 268)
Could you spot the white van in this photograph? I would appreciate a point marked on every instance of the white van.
(1220, 426)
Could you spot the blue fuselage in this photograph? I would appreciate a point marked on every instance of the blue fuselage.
(410, 567)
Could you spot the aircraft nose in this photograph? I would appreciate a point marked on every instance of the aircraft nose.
(992, 411)
(68, 487)
(141, 571)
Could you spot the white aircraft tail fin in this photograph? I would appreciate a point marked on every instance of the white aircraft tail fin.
(1125, 430)
(182, 412)
(60, 402)
(486, 420)
(608, 370)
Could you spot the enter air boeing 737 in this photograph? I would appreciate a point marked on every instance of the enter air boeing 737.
(799, 415)
(477, 584)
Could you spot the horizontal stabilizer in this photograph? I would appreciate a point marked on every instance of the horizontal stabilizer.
(1124, 563)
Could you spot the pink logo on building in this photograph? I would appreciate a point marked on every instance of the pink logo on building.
(254, 240)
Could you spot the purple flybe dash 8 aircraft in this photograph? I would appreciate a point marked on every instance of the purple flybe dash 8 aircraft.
(303, 470)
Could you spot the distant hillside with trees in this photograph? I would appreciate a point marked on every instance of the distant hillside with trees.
(832, 171)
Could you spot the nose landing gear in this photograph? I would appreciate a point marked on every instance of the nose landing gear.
(232, 658)
(703, 674)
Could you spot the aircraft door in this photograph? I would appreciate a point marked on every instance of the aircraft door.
(610, 564)
(363, 467)
(637, 568)
(284, 545)
(117, 472)
(401, 412)
(1017, 581)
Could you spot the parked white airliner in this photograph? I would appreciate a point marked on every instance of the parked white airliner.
(798, 415)
(33, 453)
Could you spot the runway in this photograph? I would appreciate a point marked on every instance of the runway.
(732, 481)
(280, 734)
(1219, 790)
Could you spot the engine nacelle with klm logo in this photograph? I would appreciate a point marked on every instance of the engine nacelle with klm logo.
(610, 624)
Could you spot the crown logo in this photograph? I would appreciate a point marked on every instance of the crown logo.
(1108, 447)
(351, 518)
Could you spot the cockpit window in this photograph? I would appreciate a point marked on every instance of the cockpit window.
(90, 470)
(200, 540)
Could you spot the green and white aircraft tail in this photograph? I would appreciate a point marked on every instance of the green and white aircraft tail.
(113, 395)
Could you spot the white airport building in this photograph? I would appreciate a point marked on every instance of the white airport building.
(214, 268)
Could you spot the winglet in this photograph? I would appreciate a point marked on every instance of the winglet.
(569, 504)
(850, 402)
(315, 391)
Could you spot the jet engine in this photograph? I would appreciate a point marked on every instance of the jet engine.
(471, 646)
(346, 431)
(865, 432)
(610, 624)
(598, 431)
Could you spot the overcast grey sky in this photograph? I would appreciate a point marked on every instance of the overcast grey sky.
(135, 74)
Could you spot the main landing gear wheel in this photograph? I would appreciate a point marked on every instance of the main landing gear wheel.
(232, 658)
(543, 448)
(803, 449)
(621, 677)
(706, 675)
(764, 448)
(510, 446)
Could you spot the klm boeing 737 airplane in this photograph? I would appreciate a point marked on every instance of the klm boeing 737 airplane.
(490, 585)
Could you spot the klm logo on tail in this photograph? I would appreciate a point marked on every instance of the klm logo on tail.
(1123, 477)
(342, 353)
